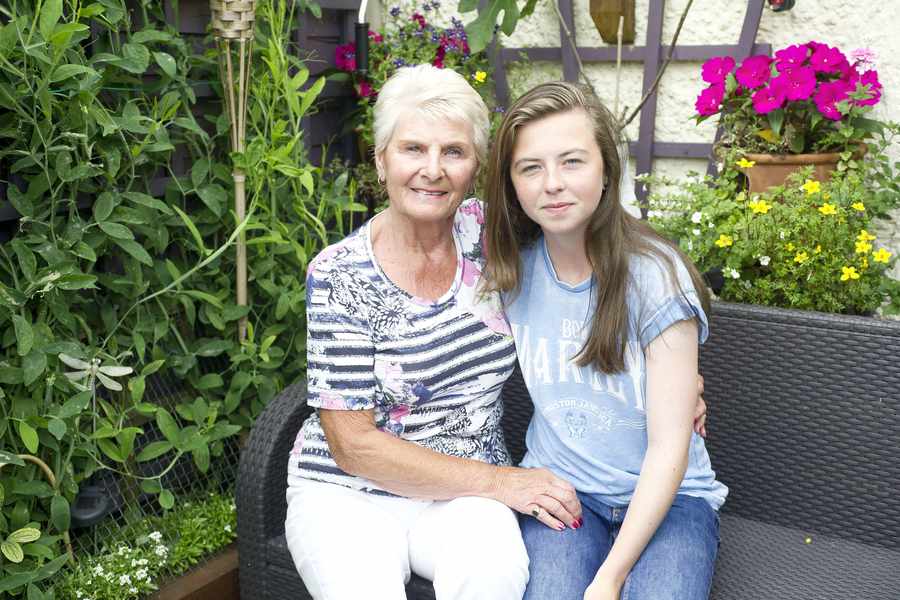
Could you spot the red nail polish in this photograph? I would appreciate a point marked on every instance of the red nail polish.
(575, 524)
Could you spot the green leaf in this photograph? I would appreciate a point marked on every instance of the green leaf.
(62, 34)
(137, 385)
(12, 551)
(57, 428)
(208, 298)
(59, 513)
(135, 58)
(166, 63)
(7, 458)
(193, 229)
(154, 450)
(24, 334)
(776, 120)
(310, 95)
(33, 366)
(29, 436)
(201, 458)
(148, 201)
(151, 486)
(65, 71)
(136, 251)
(25, 535)
(104, 205)
(150, 35)
(214, 196)
(153, 367)
(166, 499)
(26, 257)
(51, 12)
(75, 405)
(44, 572)
(116, 230)
(213, 347)
(199, 172)
(111, 450)
(210, 381)
(167, 425)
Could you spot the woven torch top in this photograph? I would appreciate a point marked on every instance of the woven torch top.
(233, 19)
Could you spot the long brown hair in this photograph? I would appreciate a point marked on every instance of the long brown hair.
(612, 236)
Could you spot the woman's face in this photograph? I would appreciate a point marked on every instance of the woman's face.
(557, 171)
(428, 166)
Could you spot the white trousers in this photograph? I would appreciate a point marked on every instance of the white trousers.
(351, 545)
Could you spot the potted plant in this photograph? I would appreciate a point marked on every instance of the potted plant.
(804, 107)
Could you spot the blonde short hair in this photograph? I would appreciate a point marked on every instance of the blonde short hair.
(431, 92)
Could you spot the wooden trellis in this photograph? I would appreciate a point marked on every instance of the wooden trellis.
(646, 148)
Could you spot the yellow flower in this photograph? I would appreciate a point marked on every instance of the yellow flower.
(759, 206)
(745, 164)
(863, 247)
(882, 255)
(865, 236)
(811, 187)
(858, 206)
(724, 240)
(479, 76)
(801, 257)
(828, 209)
(790, 247)
(818, 248)
(864, 261)
(849, 273)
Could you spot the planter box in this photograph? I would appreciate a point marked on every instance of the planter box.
(215, 579)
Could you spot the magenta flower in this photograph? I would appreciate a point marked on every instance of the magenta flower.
(791, 57)
(419, 19)
(710, 99)
(375, 37)
(754, 71)
(798, 83)
(826, 59)
(717, 68)
(869, 79)
(770, 97)
(345, 57)
(364, 90)
(828, 96)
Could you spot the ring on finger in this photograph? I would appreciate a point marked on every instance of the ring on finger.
(536, 512)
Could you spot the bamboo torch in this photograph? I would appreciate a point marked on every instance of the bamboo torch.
(232, 25)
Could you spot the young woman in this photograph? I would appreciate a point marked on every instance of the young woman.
(607, 317)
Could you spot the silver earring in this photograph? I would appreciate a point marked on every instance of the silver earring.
(382, 179)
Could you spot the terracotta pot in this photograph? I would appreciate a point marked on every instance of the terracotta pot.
(771, 170)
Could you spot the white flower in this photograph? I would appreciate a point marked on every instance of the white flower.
(228, 528)
(125, 580)
(141, 574)
(98, 571)
(161, 551)
(696, 217)
(781, 234)
(696, 232)
(132, 590)
(733, 273)
(711, 225)
(690, 244)
(78, 594)
(155, 536)
(764, 260)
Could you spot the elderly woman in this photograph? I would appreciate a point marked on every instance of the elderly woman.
(403, 466)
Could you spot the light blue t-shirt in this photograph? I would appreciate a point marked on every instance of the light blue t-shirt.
(589, 427)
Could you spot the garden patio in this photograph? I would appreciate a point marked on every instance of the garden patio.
(168, 170)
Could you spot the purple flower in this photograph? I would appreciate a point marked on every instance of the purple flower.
(826, 59)
(717, 68)
(869, 79)
(791, 57)
(345, 57)
(754, 72)
(710, 99)
(399, 62)
(770, 97)
(426, 7)
(395, 11)
(799, 83)
(828, 96)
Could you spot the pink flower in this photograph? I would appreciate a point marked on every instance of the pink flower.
(419, 19)
(754, 71)
(710, 99)
(345, 57)
(870, 80)
(828, 96)
(717, 68)
(770, 97)
(799, 83)
(474, 208)
(791, 57)
(864, 57)
(364, 89)
(826, 59)
(375, 37)
(439, 55)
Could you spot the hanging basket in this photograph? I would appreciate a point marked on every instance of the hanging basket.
(233, 19)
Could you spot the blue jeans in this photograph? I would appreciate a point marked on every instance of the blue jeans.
(677, 564)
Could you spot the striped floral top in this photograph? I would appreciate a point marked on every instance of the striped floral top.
(432, 371)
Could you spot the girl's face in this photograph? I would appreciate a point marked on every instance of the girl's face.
(428, 167)
(557, 171)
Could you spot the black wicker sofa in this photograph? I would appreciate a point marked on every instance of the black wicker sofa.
(804, 427)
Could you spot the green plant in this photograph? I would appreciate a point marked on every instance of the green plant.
(806, 245)
(139, 557)
(120, 271)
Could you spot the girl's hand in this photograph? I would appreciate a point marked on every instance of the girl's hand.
(700, 410)
(540, 494)
(602, 589)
